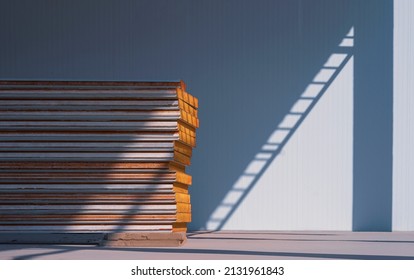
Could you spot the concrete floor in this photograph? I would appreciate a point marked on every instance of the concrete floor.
(239, 245)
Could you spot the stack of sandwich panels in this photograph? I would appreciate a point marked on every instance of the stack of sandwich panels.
(97, 157)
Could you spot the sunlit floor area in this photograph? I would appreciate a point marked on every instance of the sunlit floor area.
(239, 245)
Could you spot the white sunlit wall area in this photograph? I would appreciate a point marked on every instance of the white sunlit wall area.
(303, 176)
(283, 187)
(403, 123)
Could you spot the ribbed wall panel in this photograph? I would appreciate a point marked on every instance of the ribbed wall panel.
(403, 134)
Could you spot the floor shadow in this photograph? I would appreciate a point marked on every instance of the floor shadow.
(258, 233)
(183, 251)
(306, 240)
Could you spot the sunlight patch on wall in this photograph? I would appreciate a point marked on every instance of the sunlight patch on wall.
(403, 123)
(302, 177)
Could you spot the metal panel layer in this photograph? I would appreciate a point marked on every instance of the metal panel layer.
(95, 156)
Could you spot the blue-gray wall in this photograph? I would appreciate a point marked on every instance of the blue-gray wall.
(248, 62)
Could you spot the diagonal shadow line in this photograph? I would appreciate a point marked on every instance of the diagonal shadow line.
(299, 255)
(349, 55)
(29, 257)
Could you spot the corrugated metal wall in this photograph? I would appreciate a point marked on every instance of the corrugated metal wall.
(249, 62)
(95, 156)
(403, 160)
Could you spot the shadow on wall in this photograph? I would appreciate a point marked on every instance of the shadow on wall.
(359, 192)
(254, 91)
(369, 206)
(372, 178)
(279, 138)
(248, 62)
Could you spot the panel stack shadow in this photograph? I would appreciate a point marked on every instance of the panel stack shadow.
(104, 158)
